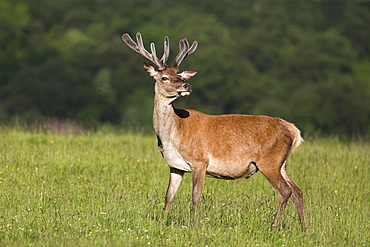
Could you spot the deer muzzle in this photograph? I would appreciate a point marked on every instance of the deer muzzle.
(185, 90)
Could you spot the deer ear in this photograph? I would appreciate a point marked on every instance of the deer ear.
(150, 69)
(187, 74)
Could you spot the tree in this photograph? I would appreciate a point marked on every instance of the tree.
(65, 59)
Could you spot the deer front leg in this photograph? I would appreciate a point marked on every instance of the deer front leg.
(198, 175)
(174, 183)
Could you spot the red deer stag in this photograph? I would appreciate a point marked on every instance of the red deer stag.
(224, 146)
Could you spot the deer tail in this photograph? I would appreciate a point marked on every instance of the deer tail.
(297, 138)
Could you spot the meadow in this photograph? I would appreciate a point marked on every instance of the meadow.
(106, 188)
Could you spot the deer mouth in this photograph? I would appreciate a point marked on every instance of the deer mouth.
(183, 93)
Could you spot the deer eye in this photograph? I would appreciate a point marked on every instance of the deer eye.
(164, 79)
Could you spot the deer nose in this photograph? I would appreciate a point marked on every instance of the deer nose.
(187, 87)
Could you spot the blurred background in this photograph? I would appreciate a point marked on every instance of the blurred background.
(307, 61)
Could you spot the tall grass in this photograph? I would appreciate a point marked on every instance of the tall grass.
(106, 188)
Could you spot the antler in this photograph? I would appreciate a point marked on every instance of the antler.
(139, 47)
(184, 50)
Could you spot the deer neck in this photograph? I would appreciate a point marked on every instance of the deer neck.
(164, 116)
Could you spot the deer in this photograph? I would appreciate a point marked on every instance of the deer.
(229, 146)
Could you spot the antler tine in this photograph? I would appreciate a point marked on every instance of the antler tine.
(155, 58)
(183, 48)
(139, 47)
(129, 42)
(142, 49)
(184, 51)
(193, 47)
(166, 50)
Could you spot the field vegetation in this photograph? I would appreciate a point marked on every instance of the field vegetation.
(72, 187)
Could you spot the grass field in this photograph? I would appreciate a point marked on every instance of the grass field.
(106, 188)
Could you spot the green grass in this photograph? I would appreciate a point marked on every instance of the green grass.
(106, 188)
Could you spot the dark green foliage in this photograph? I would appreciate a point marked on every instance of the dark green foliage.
(305, 61)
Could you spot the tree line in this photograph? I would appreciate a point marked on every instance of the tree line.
(305, 61)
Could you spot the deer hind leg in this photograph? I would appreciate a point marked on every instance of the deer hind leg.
(174, 183)
(297, 197)
(276, 179)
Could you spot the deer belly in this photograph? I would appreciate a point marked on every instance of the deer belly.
(231, 170)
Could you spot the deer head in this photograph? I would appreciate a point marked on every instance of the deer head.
(170, 83)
